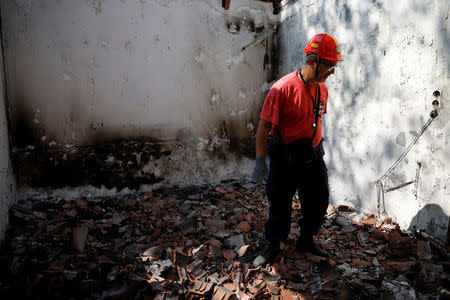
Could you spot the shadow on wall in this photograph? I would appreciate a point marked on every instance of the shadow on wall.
(367, 45)
(432, 219)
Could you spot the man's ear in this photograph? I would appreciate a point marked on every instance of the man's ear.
(311, 61)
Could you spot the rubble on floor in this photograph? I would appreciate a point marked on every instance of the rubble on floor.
(199, 243)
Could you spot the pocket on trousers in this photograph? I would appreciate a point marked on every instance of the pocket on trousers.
(300, 152)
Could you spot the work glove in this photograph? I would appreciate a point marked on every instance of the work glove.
(260, 170)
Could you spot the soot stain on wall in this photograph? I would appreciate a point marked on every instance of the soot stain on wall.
(120, 162)
(116, 163)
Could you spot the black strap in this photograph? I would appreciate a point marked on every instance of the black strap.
(316, 103)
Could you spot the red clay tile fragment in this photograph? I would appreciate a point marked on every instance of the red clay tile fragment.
(231, 286)
(244, 227)
(423, 249)
(218, 224)
(202, 287)
(331, 209)
(269, 277)
(152, 253)
(79, 237)
(368, 220)
(243, 295)
(315, 258)
(344, 208)
(215, 251)
(356, 262)
(147, 195)
(257, 287)
(243, 251)
(228, 254)
(273, 289)
(222, 293)
(388, 221)
(290, 295)
(303, 265)
(81, 204)
(214, 242)
(367, 277)
(379, 234)
(401, 266)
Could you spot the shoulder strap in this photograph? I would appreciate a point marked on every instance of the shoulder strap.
(316, 112)
(316, 103)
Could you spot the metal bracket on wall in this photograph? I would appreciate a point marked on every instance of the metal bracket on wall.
(259, 38)
(380, 189)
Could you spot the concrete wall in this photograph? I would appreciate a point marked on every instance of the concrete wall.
(396, 55)
(84, 73)
(7, 182)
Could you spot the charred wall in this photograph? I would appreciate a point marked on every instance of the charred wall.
(7, 181)
(130, 163)
(93, 82)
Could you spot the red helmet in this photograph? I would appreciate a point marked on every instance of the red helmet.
(325, 46)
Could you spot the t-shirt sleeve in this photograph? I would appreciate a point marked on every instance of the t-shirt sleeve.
(272, 106)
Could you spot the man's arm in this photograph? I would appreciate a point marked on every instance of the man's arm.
(262, 135)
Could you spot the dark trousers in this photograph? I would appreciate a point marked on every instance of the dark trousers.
(311, 182)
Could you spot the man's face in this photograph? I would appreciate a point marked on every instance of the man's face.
(326, 68)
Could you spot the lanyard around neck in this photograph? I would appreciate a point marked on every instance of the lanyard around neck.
(315, 102)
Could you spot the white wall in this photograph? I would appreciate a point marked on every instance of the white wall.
(396, 54)
(81, 71)
(7, 182)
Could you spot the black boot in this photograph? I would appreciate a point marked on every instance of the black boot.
(267, 255)
(308, 245)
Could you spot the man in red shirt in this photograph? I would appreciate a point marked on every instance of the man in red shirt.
(293, 111)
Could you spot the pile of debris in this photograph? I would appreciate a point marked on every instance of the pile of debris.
(200, 242)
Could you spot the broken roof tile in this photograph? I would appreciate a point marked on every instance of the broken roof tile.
(244, 227)
(344, 208)
(368, 220)
(289, 295)
(185, 258)
(423, 249)
(229, 254)
(222, 293)
(79, 237)
(202, 288)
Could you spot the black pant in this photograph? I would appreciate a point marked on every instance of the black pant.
(311, 181)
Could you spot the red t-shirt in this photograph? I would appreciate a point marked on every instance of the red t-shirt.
(289, 106)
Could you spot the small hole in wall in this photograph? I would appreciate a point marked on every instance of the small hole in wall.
(436, 94)
(251, 26)
(259, 29)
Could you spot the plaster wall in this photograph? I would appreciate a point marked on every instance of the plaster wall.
(82, 73)
(7, 182)
(396, 54)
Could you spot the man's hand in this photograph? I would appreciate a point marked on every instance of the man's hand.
(260, 170)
